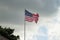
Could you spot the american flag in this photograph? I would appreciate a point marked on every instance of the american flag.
(31, 17)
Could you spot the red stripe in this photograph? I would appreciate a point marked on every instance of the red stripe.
(31, 19)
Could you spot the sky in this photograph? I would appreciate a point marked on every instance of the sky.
(12, 15)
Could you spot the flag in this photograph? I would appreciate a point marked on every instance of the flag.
(30, 17)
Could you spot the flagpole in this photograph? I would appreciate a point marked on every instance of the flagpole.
(24, 28)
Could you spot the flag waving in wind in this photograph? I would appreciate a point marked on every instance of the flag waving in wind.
(31, 17)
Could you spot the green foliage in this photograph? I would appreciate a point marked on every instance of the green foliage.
(7, 32)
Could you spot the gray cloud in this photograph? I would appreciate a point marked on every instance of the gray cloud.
(44, 7)
(12, 11)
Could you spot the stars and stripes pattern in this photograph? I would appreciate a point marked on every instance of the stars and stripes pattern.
(30, 17)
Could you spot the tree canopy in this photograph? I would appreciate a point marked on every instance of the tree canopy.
(8, 33)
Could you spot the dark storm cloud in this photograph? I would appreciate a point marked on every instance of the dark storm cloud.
(12, 11)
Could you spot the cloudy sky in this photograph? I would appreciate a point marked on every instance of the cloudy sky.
(12, 15)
